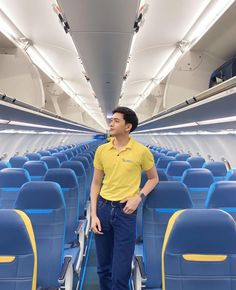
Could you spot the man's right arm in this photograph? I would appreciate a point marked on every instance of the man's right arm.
(95, 189)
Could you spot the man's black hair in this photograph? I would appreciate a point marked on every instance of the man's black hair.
(129, 116)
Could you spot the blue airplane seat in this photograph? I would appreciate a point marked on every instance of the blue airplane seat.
(164, 161)
(18, 161)
(199, 251)
(33, 156)
(156, 155)
(175, 169)
(61, 156)
(172, 153)
(196, 161)
(66, 178)
(53, 150)
(51, 161)
(18, 254)
(44, 153)
(162, 177)
(198, 181)
(43, 202)
(87, 168)
(11, 179)
(80, 173)
(36, 169)
(217, 168)
(3, 165)
(231, 175)
(222, 195)
(68, 153)
(167, 198)
(164, 151)
(182, 156)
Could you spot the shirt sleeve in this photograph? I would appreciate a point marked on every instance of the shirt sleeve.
(97, 163)
(147, 160)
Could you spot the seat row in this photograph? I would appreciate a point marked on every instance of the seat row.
(170, 198)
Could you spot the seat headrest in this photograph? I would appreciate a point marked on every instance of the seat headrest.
(221, 194)
(14, 228)
(197, 177)
(36, 167)
(33, 156)
(163, 161)
(3, 165)
(61, 156)
(18, 161)
(83, 159)
(52, 161)
(176, 168)
(201, 231)
(77, 166)
(172, 153)
(169, 194)
(40, 195)
(231, 175)
(182, 156)
(44, 153)
(13, 177)
(161, 174)
(196, 161)
(63, 176)
(217, 168)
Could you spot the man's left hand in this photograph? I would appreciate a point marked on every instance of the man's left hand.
(131, 204)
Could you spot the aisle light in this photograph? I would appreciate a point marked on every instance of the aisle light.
(218, 120)
(191, 124)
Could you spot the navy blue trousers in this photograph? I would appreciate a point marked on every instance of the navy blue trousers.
(115, 248)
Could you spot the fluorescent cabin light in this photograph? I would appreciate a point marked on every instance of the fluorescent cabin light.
(217, 121)
(4, 121)
(170, 127)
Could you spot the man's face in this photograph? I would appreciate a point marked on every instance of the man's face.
(118, 125)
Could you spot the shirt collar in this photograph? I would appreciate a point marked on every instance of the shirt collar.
(128, 146)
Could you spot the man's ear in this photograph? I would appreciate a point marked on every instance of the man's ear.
(128, 127)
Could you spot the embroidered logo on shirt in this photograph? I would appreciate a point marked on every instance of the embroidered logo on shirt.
(127, 160)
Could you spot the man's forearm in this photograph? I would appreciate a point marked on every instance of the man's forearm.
(94, 196)
(149, 185)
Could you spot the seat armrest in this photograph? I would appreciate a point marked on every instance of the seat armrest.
(138, 273)
(139, 262)
(67, 262)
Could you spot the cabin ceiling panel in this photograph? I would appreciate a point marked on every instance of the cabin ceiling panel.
(102, 32)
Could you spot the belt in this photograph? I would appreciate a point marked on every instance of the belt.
(116, 203)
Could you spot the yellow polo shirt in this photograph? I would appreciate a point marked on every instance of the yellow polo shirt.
(122, 169)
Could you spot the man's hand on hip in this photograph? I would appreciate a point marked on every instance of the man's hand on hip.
(132, 204)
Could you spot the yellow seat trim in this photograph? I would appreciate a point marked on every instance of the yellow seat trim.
(204, 258)
(7, 259)
(29, 228)
(167, 234)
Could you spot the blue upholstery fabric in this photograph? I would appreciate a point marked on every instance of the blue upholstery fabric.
(3, 165)
(175, 169)
(53, 150)
(196, 161)
(198, 181)
(36, 169)
(231, 175)
(11, 179)
(80, 173)
(203, 232)
(164, 161)
(61, 156)
(172, 153)
(161, 203)
(182, 156)
(68, 153)
(51, 161)
(15, 241)
(33, 156)
(222, 194)
(66, 178)
(217, 168)
(156, 155)
(43, 202)
(18, 161)
(44, 153)
(87, 168)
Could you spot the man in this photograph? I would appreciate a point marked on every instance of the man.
(117, 167)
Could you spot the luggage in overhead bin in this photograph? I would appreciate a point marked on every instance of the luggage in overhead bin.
(223, 73)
